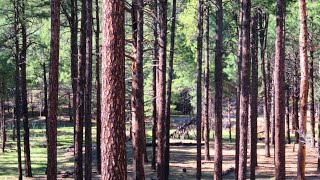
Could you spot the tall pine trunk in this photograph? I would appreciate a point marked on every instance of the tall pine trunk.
(80, 108)
(88, 92)
(137, 108)
(168, 101)
(312, 109)
(113, 136)
(98, 86)
(154, 81)
(218, 93)
(162, 7)
(254, 97)
(279, 94)
(199, 79)
(206, 87)
(53, 90)
(303, 90)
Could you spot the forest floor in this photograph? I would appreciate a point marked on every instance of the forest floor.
(182, 156)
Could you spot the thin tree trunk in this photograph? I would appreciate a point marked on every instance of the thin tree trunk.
(288, 114)
(168, 101)
(229, 119)
(3, 122)
(24, 95)
(74, 54)
(162, 88)
(53, 90)
(218, 93)
(254, 97)
(239, 64)
(88, 92)
(279, 94)
(206, 89)
(154, 82)
(113, 137)
(199, 79)
(78, 141)
(303, 90)
(137, 90)
(318, 166)
(295, 120)
(69, 107)
(263, 25)
(312, 109)
(45, 89)
(17, 111)
(98, 85)
(13, 125)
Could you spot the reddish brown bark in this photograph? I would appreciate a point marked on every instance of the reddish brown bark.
(254, 97)
(53, 90)
(154, 82)
(245, 88)
(279, 94)
(303, 89)
(113, 137)
(137, 108)
(218, 93)
(162, 7)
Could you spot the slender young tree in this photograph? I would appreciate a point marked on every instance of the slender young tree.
(263, 24)
(162, 7)
(45, 89)
(137, 108)
(254, 97)
(311, 86)
(53, 90)
(78, 134)
(98, 86)
(113, 137)
(318, 166)
(3, 118)
(24, 94)
(17, 84)
(199, 79)
(218, 93)
(154, 81)
(288, 114)
(303, 89)
(206, 86)
(245, 88)
(168, 101)
(88, 92)
(239, 64)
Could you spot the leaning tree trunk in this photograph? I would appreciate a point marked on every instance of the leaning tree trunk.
(245, 88)
(303, 89)
(53, 90)
(218, 93)
(279, 94)
(88, 92)
(113, 136)
(199, 79)
(254, 97)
